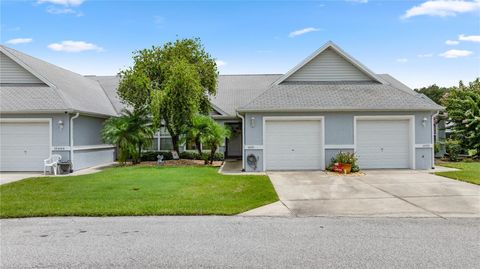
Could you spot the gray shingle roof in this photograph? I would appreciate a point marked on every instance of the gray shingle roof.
(24, 98)
(74, 92)
(335, 96)
(66, 90)
(110, 85)
(235, 91)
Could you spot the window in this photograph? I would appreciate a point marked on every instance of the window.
(166, 143)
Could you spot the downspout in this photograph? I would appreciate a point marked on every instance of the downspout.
(71, 138)
(243, 141)
(434, 116)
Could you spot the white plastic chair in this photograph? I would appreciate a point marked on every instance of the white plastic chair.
(51, 162)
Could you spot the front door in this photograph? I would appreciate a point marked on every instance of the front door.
(234, 143)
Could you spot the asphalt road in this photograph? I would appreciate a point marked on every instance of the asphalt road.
(239, 242)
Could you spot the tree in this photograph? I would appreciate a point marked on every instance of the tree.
(463, 108)
(198, 129)
(215, 137)
(174, 80)
(434, 92)
(177, 102)
(130, 132)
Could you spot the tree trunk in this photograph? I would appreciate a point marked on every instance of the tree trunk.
(212, 154)
(175, 139)
(139, 155)
(198, 145)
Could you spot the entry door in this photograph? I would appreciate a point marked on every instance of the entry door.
(24, 146)
(234, 143)
(383, 144)
(293, 145)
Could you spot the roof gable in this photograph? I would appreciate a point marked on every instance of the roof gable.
(13, 73)
(77, 92)
(330, 63)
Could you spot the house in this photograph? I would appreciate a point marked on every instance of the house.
(328, 103)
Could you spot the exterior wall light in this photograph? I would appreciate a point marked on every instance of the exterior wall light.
(60, 124)
(252, 122)
(424, 122)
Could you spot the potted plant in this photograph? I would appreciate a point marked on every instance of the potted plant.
(346, 161)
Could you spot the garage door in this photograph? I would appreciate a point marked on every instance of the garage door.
(383, 144)
(293, 145)
(24, 146)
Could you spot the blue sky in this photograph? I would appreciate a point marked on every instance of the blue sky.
(419, 42)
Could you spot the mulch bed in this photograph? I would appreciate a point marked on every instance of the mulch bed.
(183, 162)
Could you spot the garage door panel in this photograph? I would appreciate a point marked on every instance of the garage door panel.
(383, 144)
(24, 145)
(293, 145)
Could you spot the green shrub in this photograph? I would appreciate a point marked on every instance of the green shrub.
(151, 156)
(346, 157)
(193, 155)
(436, 148)
(453, 149)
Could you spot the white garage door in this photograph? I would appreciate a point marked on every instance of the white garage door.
(293, 145)
(24, 145)
(383, 144)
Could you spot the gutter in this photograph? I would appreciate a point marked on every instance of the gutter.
(71, 137)
(243, 141)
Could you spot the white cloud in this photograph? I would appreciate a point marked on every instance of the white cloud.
(358, 1)
(442, 8)
(62, 2)
(456, 53)
(303, 31)
(452, 42)
(16, 41)
(56, 10)
(472, 38)
(426, 55)
(402, 60)
(74, 46)
(220, 63)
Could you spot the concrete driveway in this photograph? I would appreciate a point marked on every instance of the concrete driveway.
(7, 177)
(385, 193)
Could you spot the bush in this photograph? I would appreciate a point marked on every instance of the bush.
(193, 155)
(346, 157)
(151, 156)
(436, 147)
(453, 149)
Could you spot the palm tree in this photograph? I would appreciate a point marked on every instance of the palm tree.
(115, 131)
(215, 137)
(198, 129)
(130, 132)
(142, 131)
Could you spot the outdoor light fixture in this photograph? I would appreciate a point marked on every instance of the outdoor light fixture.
(424, 122)
(60, 124)
(252, 122)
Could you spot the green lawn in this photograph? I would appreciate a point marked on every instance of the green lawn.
(140, 190)
(470, 171)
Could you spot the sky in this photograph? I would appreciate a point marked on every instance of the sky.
(418, 42)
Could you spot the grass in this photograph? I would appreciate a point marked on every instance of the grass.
(135, 191)
(469, 171)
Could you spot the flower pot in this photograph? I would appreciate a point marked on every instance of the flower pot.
(347, 168)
